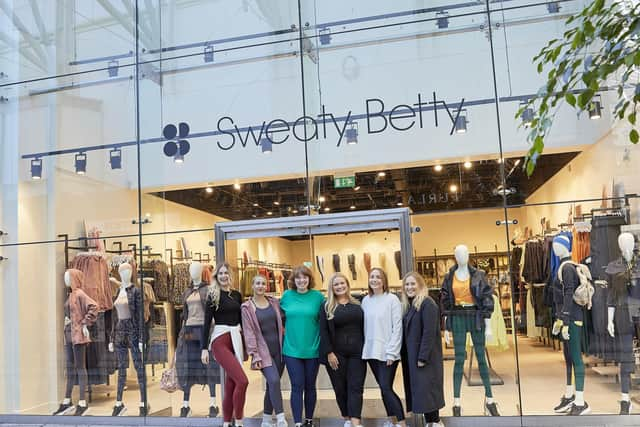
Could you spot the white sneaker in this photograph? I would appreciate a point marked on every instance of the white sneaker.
(388, 424)
(347, 423)
(266, 424)
(282, 423)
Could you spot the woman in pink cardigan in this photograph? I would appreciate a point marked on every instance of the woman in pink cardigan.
(263, 331)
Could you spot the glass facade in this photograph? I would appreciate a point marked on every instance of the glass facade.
(128, 130)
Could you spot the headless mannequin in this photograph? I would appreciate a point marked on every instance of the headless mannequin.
(85, 332)
(626, 243)
(462, 273)
(195, 271)
(125, 270)
(559, 327)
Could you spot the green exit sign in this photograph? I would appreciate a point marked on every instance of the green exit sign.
(344, 182)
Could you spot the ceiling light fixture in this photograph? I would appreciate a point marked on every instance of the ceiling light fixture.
(382, 174)
(209, 190)
(453, 188)
(327, 209)
(468, 164)
(352, 207)
(351, 133)
(595, 108)
(236, 186)
(115, 158)
(322, 199)
(266, 145)
(553, 7)
(208, 53)
(81, 163)
(461, 122)
(178, 158)
(112, 68)
(295, 211)
(527, 114)
(36, 169)
(255, 205)
(399, 204)
(277, 203)
(325, 36)
(442, 19)
(356, 188)
(269, 213)
(437, 168)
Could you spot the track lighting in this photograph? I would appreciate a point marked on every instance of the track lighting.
(36, 169)
(461, 122)
(527, 115)
(115, 158)
(437, 168)
(352, 133)
(208, 53)
(324, 34)
(178, 158)
(266, 145)
(81, 163)
(112, 68)
(595, 109)
(442, 19)
(553, 7)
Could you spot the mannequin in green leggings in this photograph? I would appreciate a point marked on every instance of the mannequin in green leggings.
(468, 301)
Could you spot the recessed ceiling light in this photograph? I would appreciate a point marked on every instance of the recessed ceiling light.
(327, 209)
(255, 205)
(269, 213)
(236, 186)
(209, 190)
(295, 211)
(467, 165)
(356, 188)
(352, 207)
(277, 203)
(382, 174)
(453, 188)
(321, 199)
(437, 168)
(399, 203)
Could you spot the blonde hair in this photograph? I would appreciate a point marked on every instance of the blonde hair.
(383, 276)
(214, 291)
(256, 277)
(332, 301)
(421, 294)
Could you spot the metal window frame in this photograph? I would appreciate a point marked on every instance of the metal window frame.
(316, 225)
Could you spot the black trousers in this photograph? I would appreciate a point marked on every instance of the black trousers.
(384, 376)
(76, 361)
(348, 384)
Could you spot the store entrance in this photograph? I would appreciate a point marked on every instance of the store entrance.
(351, 243)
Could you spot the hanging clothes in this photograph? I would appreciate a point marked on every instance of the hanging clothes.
(96, 273)
(604, 243)
(159, 271)
(181, 282)
(499, 341)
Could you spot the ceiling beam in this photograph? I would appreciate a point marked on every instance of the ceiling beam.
(44, 39)
(33, 43)
(126, 24)
(25, 53)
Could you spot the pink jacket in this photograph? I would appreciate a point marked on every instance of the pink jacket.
(83, 310)
(254, 342)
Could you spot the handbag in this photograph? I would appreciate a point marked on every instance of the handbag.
(169, 379)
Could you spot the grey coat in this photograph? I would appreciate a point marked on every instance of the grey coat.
(421, 341)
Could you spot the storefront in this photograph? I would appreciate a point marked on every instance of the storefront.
(270, 134)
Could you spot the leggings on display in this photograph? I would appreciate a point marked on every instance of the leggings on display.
(352, 266)
(122, 354)
(303, 374)
(336, 263)
(366, 258)
(627, 367)
(273, 392)
(384, 377)
(320, 264)
(76, 356)
(236, 382)
(461, 324)
(573, 356)
(397, 256)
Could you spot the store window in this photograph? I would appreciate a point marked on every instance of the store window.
(131, 133)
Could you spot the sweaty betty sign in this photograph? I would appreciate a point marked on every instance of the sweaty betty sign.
(378, 118)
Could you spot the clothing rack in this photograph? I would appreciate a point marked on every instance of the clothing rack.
(68, 248)
(277, 266)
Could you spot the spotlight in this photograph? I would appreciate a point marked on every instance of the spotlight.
(112, 68)
(553, 7)
(595, 109)
(321, 199)
(266, 145)
(453, 188)
(295, 211)
(352, 133)
(178, 158)
(461, 122)
(442, 19)
(269, 213)
(382, 174)
(81, 163)
(352, 207)
(467, 165)
(527, 115)
(209, 190)
(236, 186)
(327, 209)
(356, 188)
(437, 168)
(36, 169)
(277, 203)
(255, 205)
(208, 53)
(115, 158)
(399, 204)
(325, 36)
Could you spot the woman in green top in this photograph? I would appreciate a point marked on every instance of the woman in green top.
(301, 306)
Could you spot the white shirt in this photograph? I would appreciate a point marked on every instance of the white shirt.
(382, 327)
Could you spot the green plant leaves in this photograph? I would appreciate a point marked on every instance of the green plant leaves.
(571, 99)
(633, 136)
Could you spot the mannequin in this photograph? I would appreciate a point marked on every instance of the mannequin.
(127, 333)
(623, 304)
(189, 367)
(569, 322)
(80, 312)
(467, 299)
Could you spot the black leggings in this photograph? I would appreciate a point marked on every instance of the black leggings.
(384, 376)
(76, 355)
(348, 384)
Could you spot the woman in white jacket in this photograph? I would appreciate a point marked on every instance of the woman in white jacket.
(383, 340)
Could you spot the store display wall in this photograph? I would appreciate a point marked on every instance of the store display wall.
(59, 102)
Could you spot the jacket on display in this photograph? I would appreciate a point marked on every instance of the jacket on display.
(134, 299)
(480, 290)
(255, 344)
(624, 294)
(423, 387)
(565, 308)
(96, 278)
(83, 311)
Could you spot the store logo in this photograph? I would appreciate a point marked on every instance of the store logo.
(379, 118)
(432, 198)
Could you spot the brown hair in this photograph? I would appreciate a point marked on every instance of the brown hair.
(305, 271)
(385, 280)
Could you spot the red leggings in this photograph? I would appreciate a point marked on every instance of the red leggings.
(236, 382)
